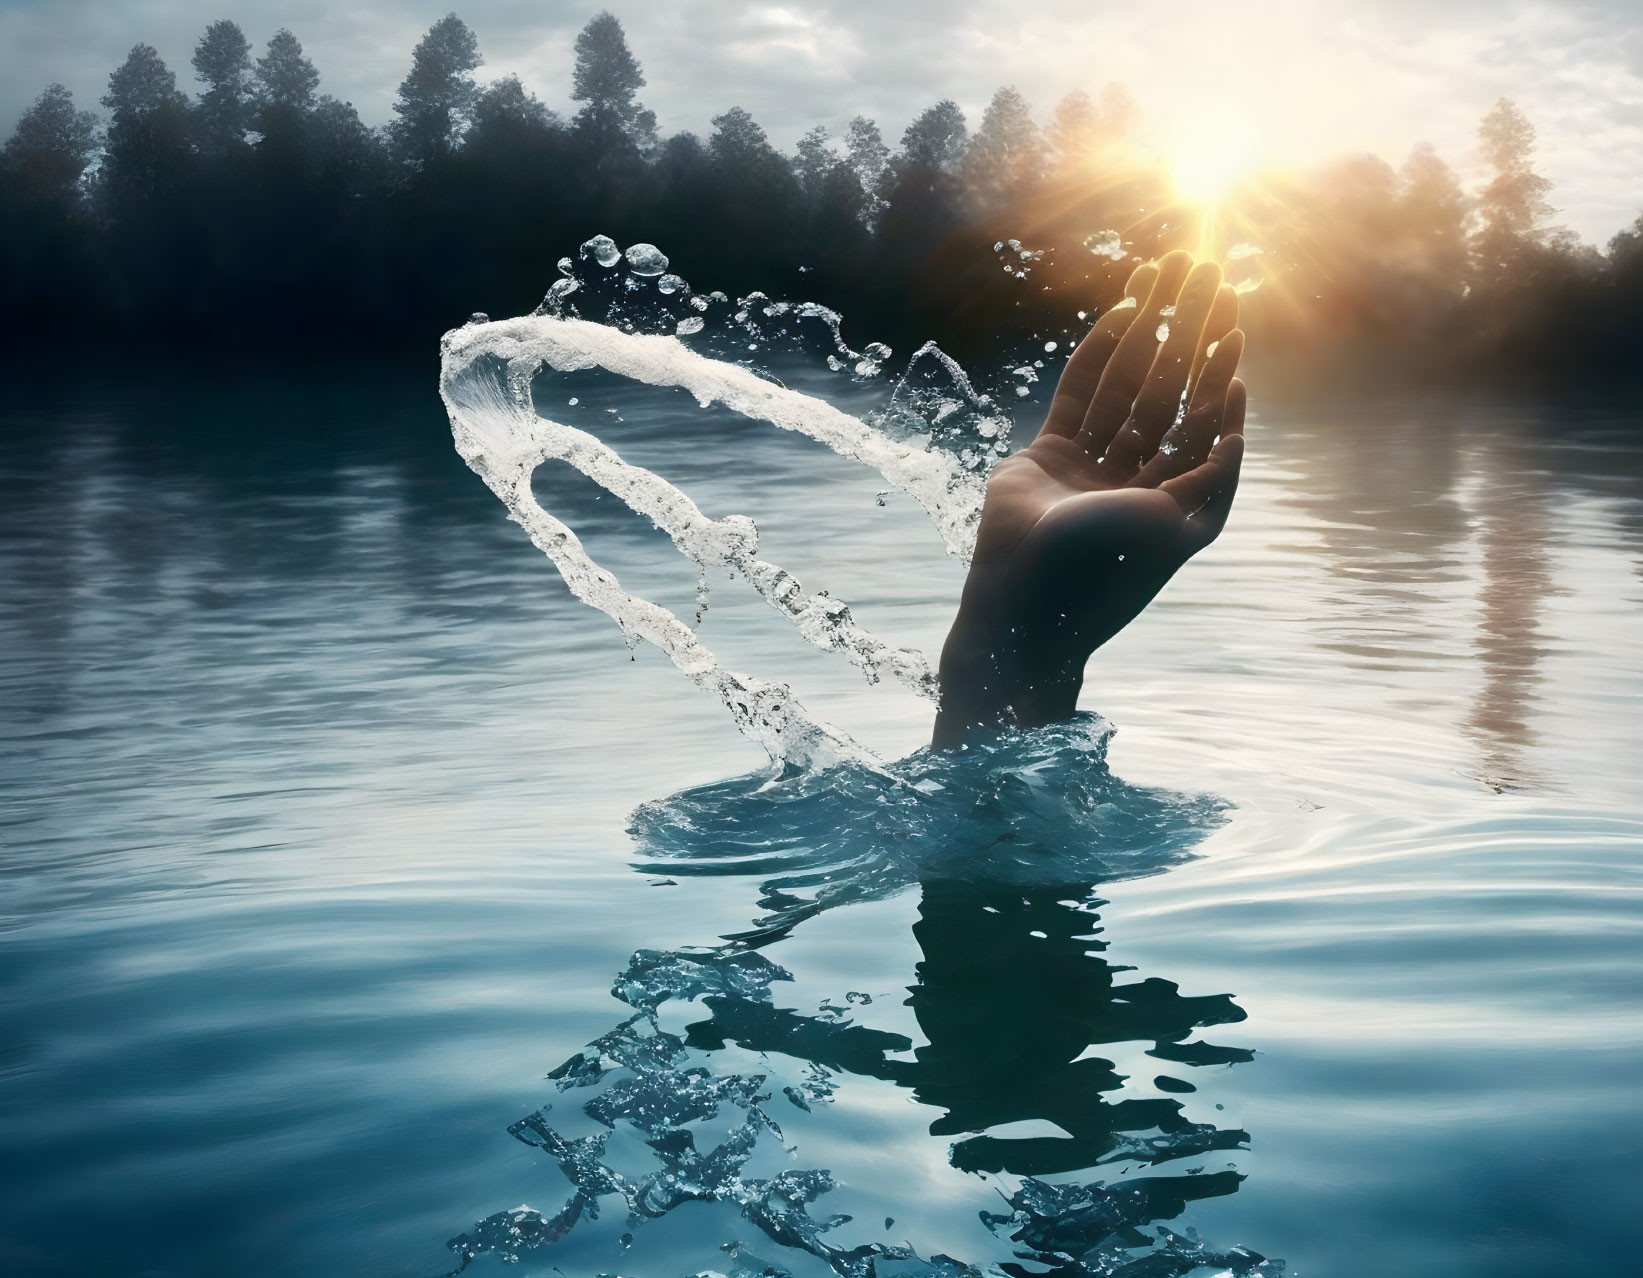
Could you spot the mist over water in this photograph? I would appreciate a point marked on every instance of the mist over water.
(334, 822)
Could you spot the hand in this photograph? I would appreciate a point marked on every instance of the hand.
(1082, 528)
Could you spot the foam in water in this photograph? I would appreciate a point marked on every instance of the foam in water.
(485, 380)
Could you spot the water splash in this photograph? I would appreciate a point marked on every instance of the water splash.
(1027, 809)
(1107, 244)
(487, 369)
(1017, 260)
(1004, 844)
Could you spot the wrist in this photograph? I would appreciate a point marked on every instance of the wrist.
(993, 678)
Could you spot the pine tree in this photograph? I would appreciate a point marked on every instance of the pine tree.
(45, 158)
(1512, 208)
(1005, 159)
(284, 84)
(340, 150)
(815, 159)
(1432, 210)
(607, 77)
(740, 147)
(506, 106)
(147, 145)
(1075, 135)
(436, 98)
(935, 139)
(864, 145)
(222, 62)
(286, 79)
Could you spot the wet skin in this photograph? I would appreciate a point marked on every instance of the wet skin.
(1084, 526)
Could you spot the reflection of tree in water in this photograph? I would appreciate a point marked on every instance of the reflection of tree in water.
(1385, 481)
(1012, 995)
(1517, 579)
(1381, 479)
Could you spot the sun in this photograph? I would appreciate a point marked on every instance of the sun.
(1212, 154)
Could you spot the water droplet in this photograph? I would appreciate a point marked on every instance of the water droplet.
(602, 249)
(692, 324)
(646, 259)
(1021, 392)
(573, 401)
(671, 284)
(1211, 349)
(558, 291)
(1107, 244)
(1163, 331)
(1050, 346)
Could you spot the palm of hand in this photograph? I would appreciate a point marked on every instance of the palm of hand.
(1082, 528)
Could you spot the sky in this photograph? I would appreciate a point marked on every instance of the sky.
(1304, 80)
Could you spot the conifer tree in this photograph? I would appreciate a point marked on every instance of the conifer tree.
(1512, 207)
(147, 144)
(222, 62)
(436, 98)
(1075, 135)
(869, 160)
(45, 158)
(1432, 211)
(1005, 159)
(607, 79)
(285, 79)
(935, 139)
(815, 159)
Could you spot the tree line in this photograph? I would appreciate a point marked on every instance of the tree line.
(262, 214)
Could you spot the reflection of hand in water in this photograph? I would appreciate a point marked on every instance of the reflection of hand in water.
(1011, 993)
(1013, 1000)
(1082, 528)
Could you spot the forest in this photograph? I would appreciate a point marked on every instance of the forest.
(262, 215)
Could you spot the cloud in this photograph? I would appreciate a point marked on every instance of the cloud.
(1319, 78)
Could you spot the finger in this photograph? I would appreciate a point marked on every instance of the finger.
(1126, 370)
(1188, 444)
(1140, 281)
(1159, 400)
(1206, 492)
(1084, 368)
(1223, 318)
(1205, 526)
(1232, 422)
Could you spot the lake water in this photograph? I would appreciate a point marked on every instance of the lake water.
(320, 853)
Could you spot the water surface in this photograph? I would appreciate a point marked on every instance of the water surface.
(316, 805)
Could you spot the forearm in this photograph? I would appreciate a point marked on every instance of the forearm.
(991, 682)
